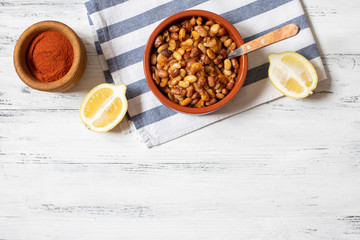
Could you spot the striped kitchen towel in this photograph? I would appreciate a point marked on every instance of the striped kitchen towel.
(122, 30)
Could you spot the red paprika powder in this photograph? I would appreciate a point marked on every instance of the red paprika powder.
(49, 56)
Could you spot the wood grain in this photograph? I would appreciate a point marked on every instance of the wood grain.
(284, 170)
(271, 38)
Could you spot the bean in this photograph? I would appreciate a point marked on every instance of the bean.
(175, 81)
(195, 95)
(211, 93)
(211, 81)
(215, 29)
(232, 46)
(205, 59)
(162, 73)
(174, 36)
(218, 60)
(199, 104)
(220, 95)
(153, 59)
(183, 92)
(201, 82)
(163, 82)
(209, 23)
(174, 28)
(223, 53)
(223, 79)
(171, 62)
(229, 85)
(191, 66)
(181, 51)
(186, 24)
(170, 59)
(165, 89)
(188, 64)
(159, 41)
(161, 59)
(196, 67)
(166, 33)
(186, 55)
(217, 86)
(211, 102)
(182, 73)
(224, 38)
(179, 98)
(235, 63)
(162, 47)
(190, 78)
(210, 43)
(227, 64)
(188, 42)
(195, 35)
(189, 91)
(175, 65)
(172, 98)
(182, 34)
(177, 56)
(172, 45)
(183, 84)
(209, 69)
(204, 95)
(196, 88)
(217, 70)
(167, 38)
(193, 21)
(166, 52)
(193, 102)
(227, 72)
(156, 78)
(185, 102)
(222, 32)
(194, 52)
(174, 73)
(176, 91)
(227, 42)
(202, 48)
(215, 48)
(182, 63)
(210, 54)
(202, 32)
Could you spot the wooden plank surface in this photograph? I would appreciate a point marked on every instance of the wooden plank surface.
(284, 170)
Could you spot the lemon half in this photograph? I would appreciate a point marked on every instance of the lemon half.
(104, 107)
(292, 74)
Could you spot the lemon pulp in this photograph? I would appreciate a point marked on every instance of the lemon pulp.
(292, 74)
(104, 107)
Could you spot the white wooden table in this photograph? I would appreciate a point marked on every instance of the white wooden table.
(284, 170)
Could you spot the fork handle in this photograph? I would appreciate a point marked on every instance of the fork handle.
(270, 38)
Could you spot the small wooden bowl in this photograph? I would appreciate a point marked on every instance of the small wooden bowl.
(176, 18)
(76, 71)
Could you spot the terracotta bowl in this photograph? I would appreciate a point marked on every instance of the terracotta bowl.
(76, 71)
(176, 18)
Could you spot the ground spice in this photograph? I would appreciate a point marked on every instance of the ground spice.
(50, 56)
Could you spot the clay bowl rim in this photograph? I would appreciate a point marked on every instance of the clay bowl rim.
(21, 48)
(235, 35)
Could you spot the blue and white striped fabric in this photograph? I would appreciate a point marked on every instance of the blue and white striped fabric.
(122, 30)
